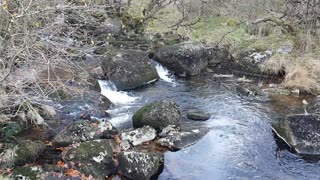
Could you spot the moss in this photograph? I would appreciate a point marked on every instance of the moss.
(28, 172)
(10, 130)
(140, 113)
(28, 151)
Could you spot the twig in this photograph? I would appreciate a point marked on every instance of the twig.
(237, 27)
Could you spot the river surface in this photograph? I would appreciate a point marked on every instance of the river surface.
(240, 144)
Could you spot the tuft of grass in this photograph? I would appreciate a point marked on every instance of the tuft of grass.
(302, 71)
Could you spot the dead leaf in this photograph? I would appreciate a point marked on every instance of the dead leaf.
(60, 164)
(72, 173)
(49, 144)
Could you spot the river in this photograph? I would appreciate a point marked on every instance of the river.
(240, 144)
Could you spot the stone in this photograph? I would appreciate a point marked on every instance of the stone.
(84, 130)
(158, 115)
(179, 140)
(185, 58)
(301, 132)
(139, 136)
(169, 129)
(128, 69)
(96, 156)
(198, 115)
(139, 165)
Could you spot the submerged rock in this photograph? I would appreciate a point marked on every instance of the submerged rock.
(179, 140)
(158, 115)
(198, 115)
(128, 69)
(84, 130)
(301, 132)
(185, 58)
(95, 156)
(139, 136)
(139, 165)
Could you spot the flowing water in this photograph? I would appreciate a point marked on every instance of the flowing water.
(240, 144)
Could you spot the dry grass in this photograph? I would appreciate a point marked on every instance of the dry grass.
(301, 71)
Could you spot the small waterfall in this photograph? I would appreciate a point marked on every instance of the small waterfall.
(164, 73)
(109, 90)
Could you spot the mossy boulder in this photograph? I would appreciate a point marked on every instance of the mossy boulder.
(20, 152)
(139, 165)
(95, 156)
(128, 69)
(158, 115)
(83, 130)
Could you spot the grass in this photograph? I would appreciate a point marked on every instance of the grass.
(302, 67)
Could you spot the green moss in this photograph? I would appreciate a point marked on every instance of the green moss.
(140, 113)
(28, 172)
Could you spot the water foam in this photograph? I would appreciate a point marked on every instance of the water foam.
(109, 90)
(164, 73)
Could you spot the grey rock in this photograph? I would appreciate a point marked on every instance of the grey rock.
(96, 157)
(128, 69)
(83, 130)
(139, 136)
(218, 55)
(158, 115)
(104, 102)
(301, 132)
(125, 145)
(179, 140)
(185, 58)
(169, 129)
(139, 165)
(198, 115)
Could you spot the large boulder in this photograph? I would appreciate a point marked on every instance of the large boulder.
(158, 115)
(301, 132)
(83, 130)
(139, 165)
(95, 156)
(183, 59)
(128, 69)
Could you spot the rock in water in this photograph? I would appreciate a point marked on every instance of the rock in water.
(139, 136)
(96, 157)
(158, 115)
(198, 115)
(185, 58)
(139, 165)
(128, 69)
(179, 140)
(301, 132)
